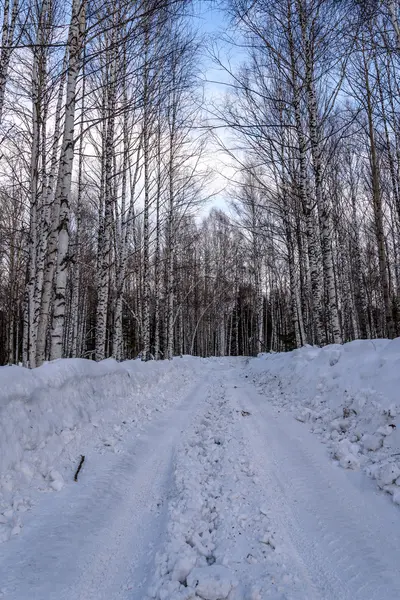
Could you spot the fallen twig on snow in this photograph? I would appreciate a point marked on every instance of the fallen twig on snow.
(79, 468)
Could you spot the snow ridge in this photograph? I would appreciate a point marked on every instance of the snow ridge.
(221, 543)
(188, 564)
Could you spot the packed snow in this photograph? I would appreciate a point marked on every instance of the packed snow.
(52, 415)
(349, 395)
(202, 479)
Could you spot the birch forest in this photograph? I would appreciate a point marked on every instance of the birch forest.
(112, 242)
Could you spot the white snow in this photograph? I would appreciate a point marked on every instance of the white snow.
(349, 395)
(196, 485)
(221, 540)
(212, 583)
(51, 415)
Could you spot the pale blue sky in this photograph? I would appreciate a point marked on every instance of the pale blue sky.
(212, 22)
(210, 18)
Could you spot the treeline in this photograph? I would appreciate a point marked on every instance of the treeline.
(98, 164)
(103, 169)
(315, 113)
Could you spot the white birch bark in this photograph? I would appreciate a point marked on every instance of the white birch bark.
(171, 256)
(221, 336)
(73, 342)
(157, 272)
(171, 217)
(121, 252)
(321, 200)
(393, 11)
(157, 257)
(48, 243)
(324, 215)
(146, 224)
(75, 40)
(37, 179)
(33, 225)
(105, 261)
(315, 280)
(293, 288)
(7, 41)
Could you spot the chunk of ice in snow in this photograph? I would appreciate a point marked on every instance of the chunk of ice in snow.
(212, 583)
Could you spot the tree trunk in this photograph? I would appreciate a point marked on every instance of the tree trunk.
(75, 40)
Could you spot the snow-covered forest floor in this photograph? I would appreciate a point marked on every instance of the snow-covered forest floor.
(242, 479)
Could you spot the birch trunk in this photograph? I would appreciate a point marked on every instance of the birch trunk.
(317, 334)
(76, 282)
(171, 230)
(47, 251)
(7, 41)
(321, 200)
(75, 40)
(33, 227)
(146, 224)
(37, 177)
(105, 242)
(170, 263)
(392, 6)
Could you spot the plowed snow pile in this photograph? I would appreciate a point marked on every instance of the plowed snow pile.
(51, 415)
(222, 537)
(350, 397)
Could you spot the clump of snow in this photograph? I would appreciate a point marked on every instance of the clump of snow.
(396, 496)
(387, 474)
(51, 415)
(348, 395)
(347, 454)
(372, 442)
(212, 583)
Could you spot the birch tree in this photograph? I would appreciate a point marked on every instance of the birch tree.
(75, 44)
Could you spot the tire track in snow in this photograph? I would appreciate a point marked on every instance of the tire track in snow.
(343, 535)
(221, 543)
(95, 539)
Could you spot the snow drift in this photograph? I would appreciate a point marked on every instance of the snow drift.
(51, 415)
(349, 395)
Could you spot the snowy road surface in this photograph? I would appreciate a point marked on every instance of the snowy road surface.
(221, 496)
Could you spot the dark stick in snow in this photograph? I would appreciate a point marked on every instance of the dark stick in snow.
(79, 468)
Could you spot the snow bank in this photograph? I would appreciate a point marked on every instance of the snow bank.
(51, 415)
(349, 395)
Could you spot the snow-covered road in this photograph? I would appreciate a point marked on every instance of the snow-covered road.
(220, 496)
